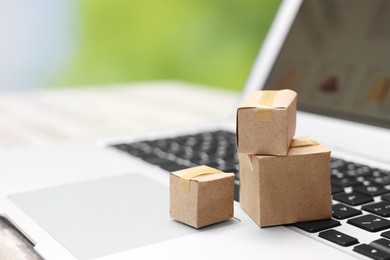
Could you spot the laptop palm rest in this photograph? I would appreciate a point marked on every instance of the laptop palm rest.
(101, 217)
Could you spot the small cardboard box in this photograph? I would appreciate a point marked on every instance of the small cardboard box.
(266, 122)
(276, 190)
(201, 196)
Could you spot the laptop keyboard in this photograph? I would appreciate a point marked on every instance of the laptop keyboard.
(216, 149)
(355, 186)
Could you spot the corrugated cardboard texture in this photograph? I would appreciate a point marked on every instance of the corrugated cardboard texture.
(286, 189)
(272, 137)
(209, 201)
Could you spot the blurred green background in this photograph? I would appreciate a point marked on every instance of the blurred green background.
(210, 42)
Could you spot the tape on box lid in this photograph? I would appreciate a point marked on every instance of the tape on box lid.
(306, 145)
(191, 173)
(265, 104)
(264, 108)
(302, 142)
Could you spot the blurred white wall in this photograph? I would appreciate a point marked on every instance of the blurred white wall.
(37, 38)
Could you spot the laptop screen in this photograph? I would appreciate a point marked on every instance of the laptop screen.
(337, 57)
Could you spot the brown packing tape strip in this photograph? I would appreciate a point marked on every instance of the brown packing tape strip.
(192, 173)
(303, 142)
(264, 111)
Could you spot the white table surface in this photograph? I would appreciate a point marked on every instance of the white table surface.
(58, 115)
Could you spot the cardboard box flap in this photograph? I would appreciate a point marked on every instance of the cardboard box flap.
(280, 99)
(199, 173)
(306, 145)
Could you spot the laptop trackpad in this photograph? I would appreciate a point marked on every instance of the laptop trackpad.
(102, 217)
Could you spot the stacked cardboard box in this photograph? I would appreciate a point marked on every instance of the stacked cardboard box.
(282, 180)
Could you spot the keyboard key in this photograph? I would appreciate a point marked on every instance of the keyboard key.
(381, 244)
(385, 180)
(370, 223)
(341, 211)
(173, 167)
(157, 160)
(359, 172)
(371, 252)
(336, 174)
(352, 198)
(236, 192)
(130, 150)
(371, 190)
(318, 225)
(380, 208)
(386, 234)
(338, 237)
(337, 189)
(337, 162)
(379, 173)
(386, 197)
(345, 182)
(228, 167)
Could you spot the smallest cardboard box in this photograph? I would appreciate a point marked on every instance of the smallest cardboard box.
(266, 122)
(201, 196)
(277, 190)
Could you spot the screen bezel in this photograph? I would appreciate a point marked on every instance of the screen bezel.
(339, 134)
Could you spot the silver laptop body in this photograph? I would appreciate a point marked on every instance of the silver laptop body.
(97, 201)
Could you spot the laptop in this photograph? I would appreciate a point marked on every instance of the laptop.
(109, 199)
